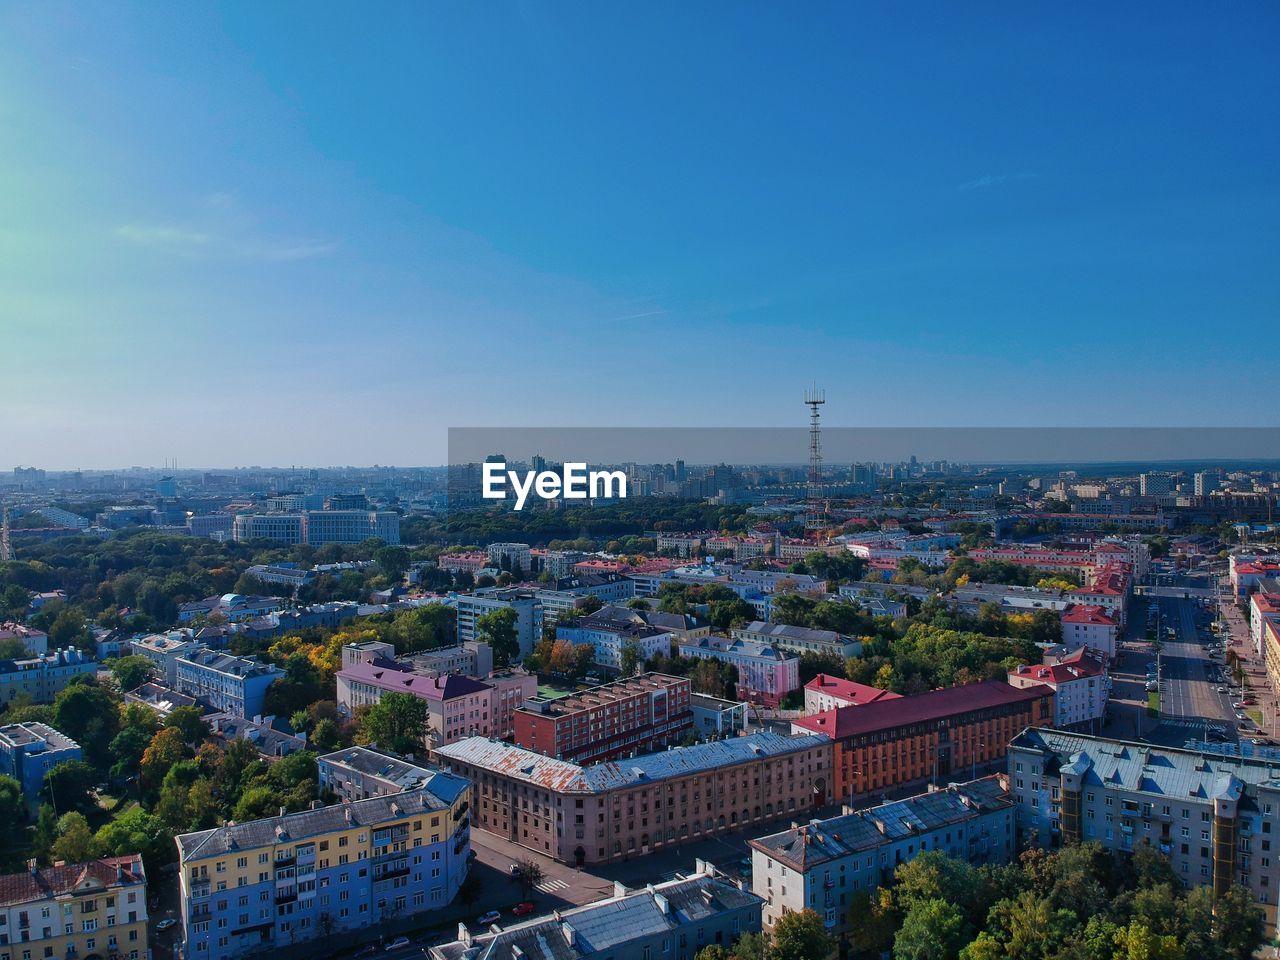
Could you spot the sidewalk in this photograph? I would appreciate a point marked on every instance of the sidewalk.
(1257, 682)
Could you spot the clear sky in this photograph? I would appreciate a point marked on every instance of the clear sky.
(322, 233)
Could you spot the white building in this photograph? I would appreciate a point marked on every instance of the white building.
(164, 650)
(1080, 683)
(610, 637)
(1085, 625)
(472, 606)
(517, 556)
(234, 685)
(823, 864)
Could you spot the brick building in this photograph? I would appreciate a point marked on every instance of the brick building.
(932, 736)
(626, 808)
(628, 716)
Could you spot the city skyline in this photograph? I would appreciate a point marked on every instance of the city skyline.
(237, 230)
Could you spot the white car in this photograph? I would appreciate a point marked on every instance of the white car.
(399, 943)
(1222, 689)
(493, 916)
(166, 923)
(1238, 705)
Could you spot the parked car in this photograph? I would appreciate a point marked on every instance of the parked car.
(1238, 705)
(493, 916)
(399, 943)
(166, 923)
(522, 909)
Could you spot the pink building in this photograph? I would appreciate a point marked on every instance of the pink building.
(765, 673)
(459, 706)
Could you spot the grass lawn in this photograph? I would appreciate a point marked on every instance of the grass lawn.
(1153, 703)
(1255, 716)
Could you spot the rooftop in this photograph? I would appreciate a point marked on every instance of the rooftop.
(595, 697)
(397, 678)
(49, 883)
(934, 705)
(565, 777)
(856, 693)
(806, 846)
(298, 827)
(397, 770)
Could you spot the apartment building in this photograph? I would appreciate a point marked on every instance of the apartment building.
(672, 920)
(42, 678)
(825, 692)
(765, 673)
(164, 650)
(474, 658)
(1085, 625)
(511, 688)
(930, 737)
(798, 639)
(628, 716)
(358, 773)
(281, 527)
(248, 888)
(457, 706)
(1080, 684)
(1213, 816)
(681, 626)
(93, 909)
(231, 607)
(823, 864)
(472, 606)
(510, 556)
(229, 684)
(30, 750)
(318, 527)
(609, 638)
(570, 593)
(625, 808)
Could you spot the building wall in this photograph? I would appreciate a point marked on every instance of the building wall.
(106, 922)
(250, 900)
(633, 821)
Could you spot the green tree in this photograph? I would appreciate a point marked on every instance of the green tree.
(75, 839)
(68, 786)
(800, 935)
(630, 657)
(88, 714)
(167, 747)
(398, 722)
(931, 930)
(45, 834)
(130, 672)
(190, 722)
(498, 629)
(13, 824)
(1237, 924)
(392, 562)
(528, 873)
(1137, 942)
(137, 831)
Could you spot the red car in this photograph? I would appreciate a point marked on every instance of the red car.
(522, 909)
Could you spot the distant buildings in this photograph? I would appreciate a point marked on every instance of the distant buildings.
(766, 674)
(30, 750)
(472, 606)
(232, 607)
(358, 773)
(674, 920)
(631, 807)
(271, 744)
(509, 556)
(318, 527)
(229, 684)
(71, 910)
(608, 639)
(42, 678)
(629, 716)
(570, 593)
(799, 639)
(1211, 815)
(36, 642)
(823, 864)
(247, 888)
(931, 736)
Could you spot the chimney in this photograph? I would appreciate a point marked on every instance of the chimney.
(570, 934)
(619, 888)
(464, 935)
(664, 905)
(31, 865)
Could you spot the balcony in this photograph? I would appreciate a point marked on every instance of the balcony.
(391, 874)
(286, 896)
(829, 883)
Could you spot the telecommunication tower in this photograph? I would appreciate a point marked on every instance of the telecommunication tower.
(817, 513)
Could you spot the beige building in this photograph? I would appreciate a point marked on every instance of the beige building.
(638, 805)
(96, 909)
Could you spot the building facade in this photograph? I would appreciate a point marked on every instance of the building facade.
(825, 692)
(246, 888)
(30, 750)
(358, 773)
(801, 640)
(1211, 815)
(634, 714)
(823, 864)
(930, 737)
(457, 706)
(619, 809)
(1080, 684)
(229, 684)
(43, 678)
(472, 606)
(765, 673)
(93, 909)
(608, 638)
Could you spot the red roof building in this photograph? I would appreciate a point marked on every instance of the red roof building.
(825, 692)
(932, 736)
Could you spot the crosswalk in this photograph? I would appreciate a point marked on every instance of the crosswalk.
(551, 885)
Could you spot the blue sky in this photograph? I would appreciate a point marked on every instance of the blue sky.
(321, 233)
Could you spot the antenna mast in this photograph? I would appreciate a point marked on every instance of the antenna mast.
(816, 516)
